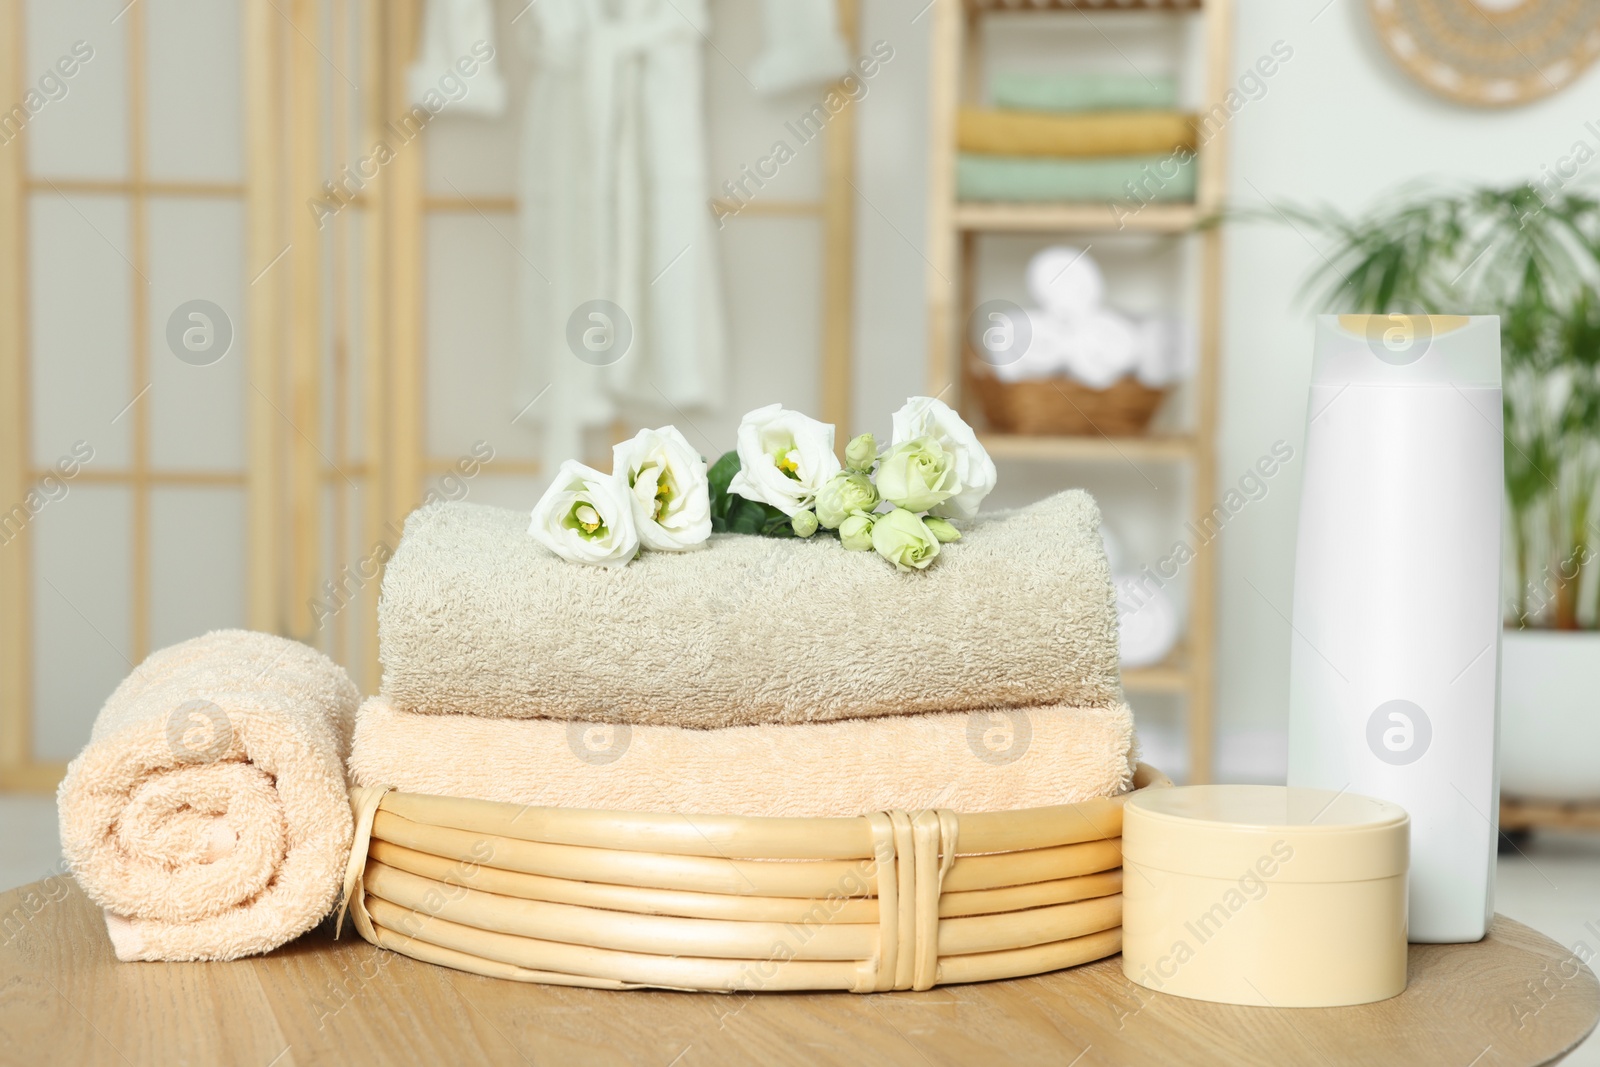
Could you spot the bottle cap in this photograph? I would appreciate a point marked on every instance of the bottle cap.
(1395, 349)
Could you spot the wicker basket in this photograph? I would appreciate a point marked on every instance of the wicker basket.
(614, 900)
(1062, 406)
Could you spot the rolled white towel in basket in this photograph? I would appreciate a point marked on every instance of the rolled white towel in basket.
(1101, 348)
(1066, 282)
(1166, 350)
(1096, 349)
(1044, 355)
(1073, 333)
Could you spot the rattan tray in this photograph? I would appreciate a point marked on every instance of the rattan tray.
(617, 900)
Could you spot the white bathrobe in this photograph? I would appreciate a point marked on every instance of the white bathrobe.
(613, 207)
(454, 31)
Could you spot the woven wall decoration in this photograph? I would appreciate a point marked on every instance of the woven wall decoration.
(1490, 54)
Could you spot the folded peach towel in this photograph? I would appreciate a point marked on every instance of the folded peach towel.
(477, 618)
(209, 815)
(968, 761)
(1100, 133)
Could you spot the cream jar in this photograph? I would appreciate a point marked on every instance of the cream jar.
(1266, 895)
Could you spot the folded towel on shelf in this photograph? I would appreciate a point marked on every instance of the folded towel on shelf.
(476, 618)
(208, 814)
(1137, 179)
(1081, 92)
(1104, 133)
(969, 761)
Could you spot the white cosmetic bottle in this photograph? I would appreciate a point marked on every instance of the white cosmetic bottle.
(1395, 648)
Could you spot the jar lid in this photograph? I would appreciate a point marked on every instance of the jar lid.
(1281, 833)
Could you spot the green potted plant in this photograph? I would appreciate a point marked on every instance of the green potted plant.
(1532, 256)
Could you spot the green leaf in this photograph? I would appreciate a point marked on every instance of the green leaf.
(746, 516)
(721, 474)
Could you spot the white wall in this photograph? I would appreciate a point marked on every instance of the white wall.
(1338, 124)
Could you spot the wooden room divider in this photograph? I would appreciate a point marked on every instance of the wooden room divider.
(307, 448)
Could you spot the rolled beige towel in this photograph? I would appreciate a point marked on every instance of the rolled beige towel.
(477, 618)
(208, 815)
(991, 760)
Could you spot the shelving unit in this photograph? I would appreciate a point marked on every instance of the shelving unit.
(954, 228)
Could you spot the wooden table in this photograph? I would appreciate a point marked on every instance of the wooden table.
(1516, 998)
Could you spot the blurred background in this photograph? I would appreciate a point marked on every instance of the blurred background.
(273, 272)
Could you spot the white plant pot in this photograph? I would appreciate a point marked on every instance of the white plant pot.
(1550, 714)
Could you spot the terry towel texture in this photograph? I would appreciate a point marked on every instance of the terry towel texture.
(476, 618)
(1138, 179)
(973, 761)
(1081, 92)
(209, 814)
(1107, 133)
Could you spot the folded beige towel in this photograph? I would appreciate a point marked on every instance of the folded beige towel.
(476, 618)
(969, 761)
(209, 814)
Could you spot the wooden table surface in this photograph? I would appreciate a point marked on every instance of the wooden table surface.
(1515, 998)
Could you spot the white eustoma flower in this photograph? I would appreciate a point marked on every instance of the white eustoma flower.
(586, 517)
(665, 480)
(784, 458)
(924, 416)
